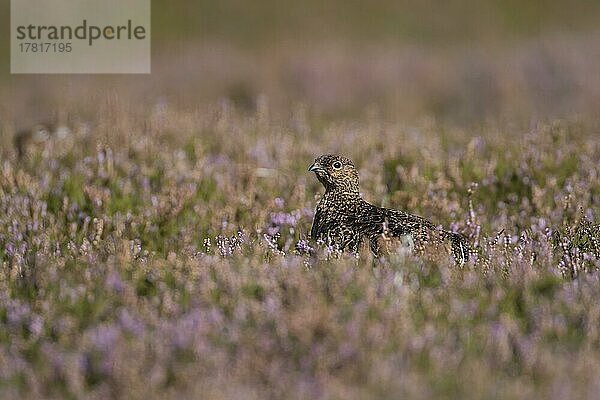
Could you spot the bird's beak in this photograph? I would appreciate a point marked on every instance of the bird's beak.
(315, 167)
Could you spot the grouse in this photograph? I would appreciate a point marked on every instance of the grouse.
(344, 220)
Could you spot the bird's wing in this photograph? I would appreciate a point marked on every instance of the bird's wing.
(375, 221)
(401, 223)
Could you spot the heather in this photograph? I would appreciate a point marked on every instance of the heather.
(158, 247)
(160, 259)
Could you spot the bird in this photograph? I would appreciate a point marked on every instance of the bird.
(344, 220)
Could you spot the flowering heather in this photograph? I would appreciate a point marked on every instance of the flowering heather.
(162, 251)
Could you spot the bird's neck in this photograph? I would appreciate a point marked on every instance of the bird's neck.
(347, 195)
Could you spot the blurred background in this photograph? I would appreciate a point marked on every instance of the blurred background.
(460, 62)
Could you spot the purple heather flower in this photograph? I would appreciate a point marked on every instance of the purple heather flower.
(303, 247)
(36, 325)
(130, 324)
(114, 282)
(104, 337)
(282, 218)
(186, 329)
(17, 313)
(273, 230)
(9, 249)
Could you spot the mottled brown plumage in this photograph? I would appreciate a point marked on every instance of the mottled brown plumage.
(344, 220)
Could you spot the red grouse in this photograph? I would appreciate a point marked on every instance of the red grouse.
(344, 220)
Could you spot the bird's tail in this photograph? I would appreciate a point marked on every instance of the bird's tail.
(460, 246)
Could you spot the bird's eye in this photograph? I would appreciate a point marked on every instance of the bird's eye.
(337, 165)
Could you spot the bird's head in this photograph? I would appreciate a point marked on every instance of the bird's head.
(336, 173)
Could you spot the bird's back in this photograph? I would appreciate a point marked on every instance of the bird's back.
(426, 234)
(382, 225)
